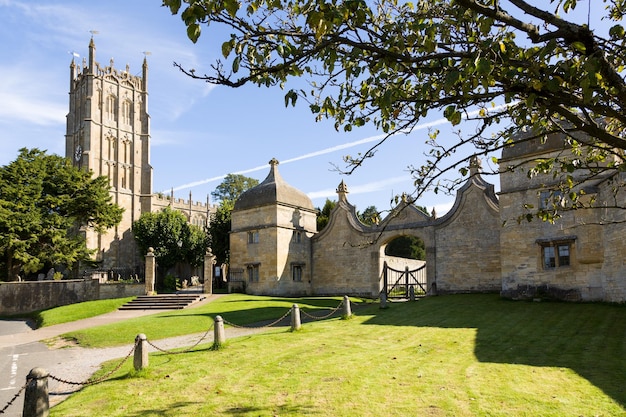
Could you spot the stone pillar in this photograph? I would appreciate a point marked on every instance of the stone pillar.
(150, 272)
(219, 337)
(295, 318)
(209, 263)
(412, 293)
(36, 400)
(140, 360)
(383, 300)
(347, 311)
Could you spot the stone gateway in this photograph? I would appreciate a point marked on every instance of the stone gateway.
(478, 246)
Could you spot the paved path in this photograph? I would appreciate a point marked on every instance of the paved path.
(21, 350)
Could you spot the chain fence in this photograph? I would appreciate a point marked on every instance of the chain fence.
(90, 381)
(189, 349)
(15, 397)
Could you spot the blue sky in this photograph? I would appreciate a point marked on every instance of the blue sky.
(199, 132)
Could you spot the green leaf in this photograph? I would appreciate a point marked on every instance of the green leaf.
(174, 5)
(291, 96)
(236, 63)
(579, 46)
(231, 6)
(227, 47)
(483, 66)
(193, 32)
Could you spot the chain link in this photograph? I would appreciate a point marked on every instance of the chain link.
(263, 326)
(99, 380)
(333, 311)
(189, 349)
(14, 398)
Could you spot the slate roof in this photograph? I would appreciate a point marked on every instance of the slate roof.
(271, 191)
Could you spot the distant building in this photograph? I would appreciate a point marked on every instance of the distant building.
(108, 132)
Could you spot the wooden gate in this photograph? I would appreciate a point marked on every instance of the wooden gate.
(398, 284)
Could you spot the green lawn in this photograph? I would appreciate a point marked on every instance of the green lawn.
(463, 355)
(76, 311)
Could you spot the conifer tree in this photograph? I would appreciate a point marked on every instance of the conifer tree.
(44, 200)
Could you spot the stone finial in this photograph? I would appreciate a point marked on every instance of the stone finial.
(342, 190)
(151, 250)
(273, 162)
(475, 166)
(434, 213)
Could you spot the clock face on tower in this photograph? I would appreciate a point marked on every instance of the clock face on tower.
(78, 153)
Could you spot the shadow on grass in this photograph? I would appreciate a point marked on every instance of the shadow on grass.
(587, 338)
(179, 407)
(261, 316)
(276, 410)
(172, 409)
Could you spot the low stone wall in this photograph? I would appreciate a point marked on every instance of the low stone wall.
(110, 290)
(28, 296)
(402, 263)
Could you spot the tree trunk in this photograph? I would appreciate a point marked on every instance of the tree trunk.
(13, 267)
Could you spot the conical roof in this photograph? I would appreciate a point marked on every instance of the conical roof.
(271, 191)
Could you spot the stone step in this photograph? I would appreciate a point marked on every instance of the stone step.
(162, 302)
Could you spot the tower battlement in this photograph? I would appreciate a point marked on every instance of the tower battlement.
(108, 72)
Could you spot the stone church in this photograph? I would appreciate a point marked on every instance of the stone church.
(108, 132)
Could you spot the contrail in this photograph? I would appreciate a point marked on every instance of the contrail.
(332, 149)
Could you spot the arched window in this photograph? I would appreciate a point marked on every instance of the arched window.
(127, 112)
(111, 108)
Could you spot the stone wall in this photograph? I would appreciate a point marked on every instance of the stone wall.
(344, 260)
(28, 296)
(119, 290)
(595, 271)
(467, 243)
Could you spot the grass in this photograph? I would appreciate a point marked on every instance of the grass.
(76, 311)
(464, 355)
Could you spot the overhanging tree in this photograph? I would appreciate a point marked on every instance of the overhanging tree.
(43, 200)
(502, 65)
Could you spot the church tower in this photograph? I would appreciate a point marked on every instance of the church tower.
(108, 132)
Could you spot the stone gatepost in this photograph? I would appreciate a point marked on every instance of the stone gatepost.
(295, 318)
(150, 271)
(140, 360)
(36, 399)
(209, 263)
